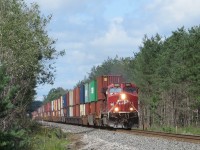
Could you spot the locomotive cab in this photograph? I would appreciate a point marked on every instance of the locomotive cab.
(122, 105)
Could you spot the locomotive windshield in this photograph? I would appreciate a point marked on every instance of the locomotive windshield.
(115, 90)
(129, 89)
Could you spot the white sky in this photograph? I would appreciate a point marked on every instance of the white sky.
(92, 30)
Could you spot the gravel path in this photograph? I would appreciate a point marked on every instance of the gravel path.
(96, 139)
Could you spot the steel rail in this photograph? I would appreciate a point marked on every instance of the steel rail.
(169, 136)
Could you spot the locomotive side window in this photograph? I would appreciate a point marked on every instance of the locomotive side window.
(129, 89)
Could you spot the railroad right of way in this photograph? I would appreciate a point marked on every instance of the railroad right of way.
(97, 139)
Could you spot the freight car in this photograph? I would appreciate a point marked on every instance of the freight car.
(106, 101)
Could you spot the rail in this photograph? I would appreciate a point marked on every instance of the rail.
(169, 136)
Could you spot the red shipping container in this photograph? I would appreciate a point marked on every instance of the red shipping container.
(48, 106)
(74, 110)
(77, 95)
(104, 81)
(65, 111)
(92, 108)
(74, 96)
(100, 107)
(77, 110)
(87, 108)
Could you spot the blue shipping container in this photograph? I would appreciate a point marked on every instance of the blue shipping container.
(82, 94)
(64, 101)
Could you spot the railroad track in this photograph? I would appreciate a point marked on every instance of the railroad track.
(169, 136)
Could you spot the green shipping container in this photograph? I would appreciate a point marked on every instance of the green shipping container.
(87, 93)
(93, 91)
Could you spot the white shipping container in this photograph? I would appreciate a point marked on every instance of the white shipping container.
(71, 114)
(71, 101)
(61, 102)
(52, 106)
(82, 110)
(62, 112)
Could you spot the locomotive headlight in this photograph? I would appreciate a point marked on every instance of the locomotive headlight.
(116, 109)
(123, 96)
(131, 109)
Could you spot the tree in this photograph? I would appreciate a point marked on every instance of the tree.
(54, 94)
(26, 54)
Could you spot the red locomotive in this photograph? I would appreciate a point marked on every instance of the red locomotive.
(106, 101)
(122, 106)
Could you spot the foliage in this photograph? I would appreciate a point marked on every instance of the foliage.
(26, 59)
(115, 66)
(54, 94)
(34, 105)
(48, 139)
(167, 73)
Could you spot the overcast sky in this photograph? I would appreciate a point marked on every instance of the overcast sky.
(92, 30)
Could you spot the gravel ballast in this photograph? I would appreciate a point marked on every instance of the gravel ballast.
(97, 139)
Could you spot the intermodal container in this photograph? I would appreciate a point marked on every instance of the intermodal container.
(77, 95)
(52, 106)
(67, 98)
(86, 93)
(92, 107)
(53, 113)
(71, 111)
(82, 94)
(87, 108)
(59, 113)
(82, 109)
(77, 110)
(68, 111)
(64, 101)
(93, 91)
(100, 107)
(74, 96)
(65, 111)
(74, 110)
(104, 81)
(42, 108)
(62, 112)
(71, 99)
(59, 103)
(46, 109)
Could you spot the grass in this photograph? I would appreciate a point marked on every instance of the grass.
(179, 130)
(44, 138)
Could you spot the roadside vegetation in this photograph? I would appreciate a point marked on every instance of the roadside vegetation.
(190, 130)
(46, 138)
(27, 55)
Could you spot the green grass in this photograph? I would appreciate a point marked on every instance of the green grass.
(180, 130)
(44, 138)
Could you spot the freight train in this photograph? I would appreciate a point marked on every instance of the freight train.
(106, 101)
